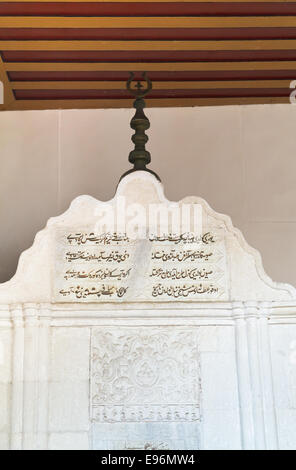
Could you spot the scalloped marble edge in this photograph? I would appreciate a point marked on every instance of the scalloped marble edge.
(81, 200)
(245, 246)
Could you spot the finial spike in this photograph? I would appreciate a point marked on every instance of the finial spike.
(139, 157)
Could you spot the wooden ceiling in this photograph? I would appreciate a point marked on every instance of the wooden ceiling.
(57, 54)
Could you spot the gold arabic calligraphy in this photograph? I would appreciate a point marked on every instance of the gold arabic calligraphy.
(199, 253)
(187, 237)
(174, 273)
(100, 274)
(187, 255)
(104, 238)
(101, 256)
(183, 291)
(83, 292)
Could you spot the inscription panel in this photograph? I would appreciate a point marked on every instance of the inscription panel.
(92, 267)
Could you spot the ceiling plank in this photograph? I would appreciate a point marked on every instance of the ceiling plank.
(166, 66)
(277, 44)
(102, 85)
(151, 103)
(157, 1)
(252, 54)
(147, 22)
(141, 8)
(8, 96)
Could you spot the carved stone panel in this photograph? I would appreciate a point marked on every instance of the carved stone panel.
(147, 378)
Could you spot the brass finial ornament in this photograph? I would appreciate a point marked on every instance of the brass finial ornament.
(139, 157)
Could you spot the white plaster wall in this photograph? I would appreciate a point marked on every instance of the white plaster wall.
(5, 385)
(241, 159)
(69, 423)
(220, 406)
(283, 347)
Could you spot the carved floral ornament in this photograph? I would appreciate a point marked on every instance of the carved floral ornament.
(132, 376)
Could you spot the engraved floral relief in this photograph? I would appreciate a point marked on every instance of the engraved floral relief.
(145, 374)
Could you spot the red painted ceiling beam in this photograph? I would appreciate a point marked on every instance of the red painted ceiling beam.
(146, 56)
(123, 94)
(146, 9)
(155, 76)
(23, 34)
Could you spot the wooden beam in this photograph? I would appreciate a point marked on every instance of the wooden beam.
(171, 102)
(191, 85)
(148, 22)
(276, 44)
(156, 1)
(8, 96)
(149, 67)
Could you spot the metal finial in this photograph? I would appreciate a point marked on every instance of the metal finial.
(139, 91)
(139, 157)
